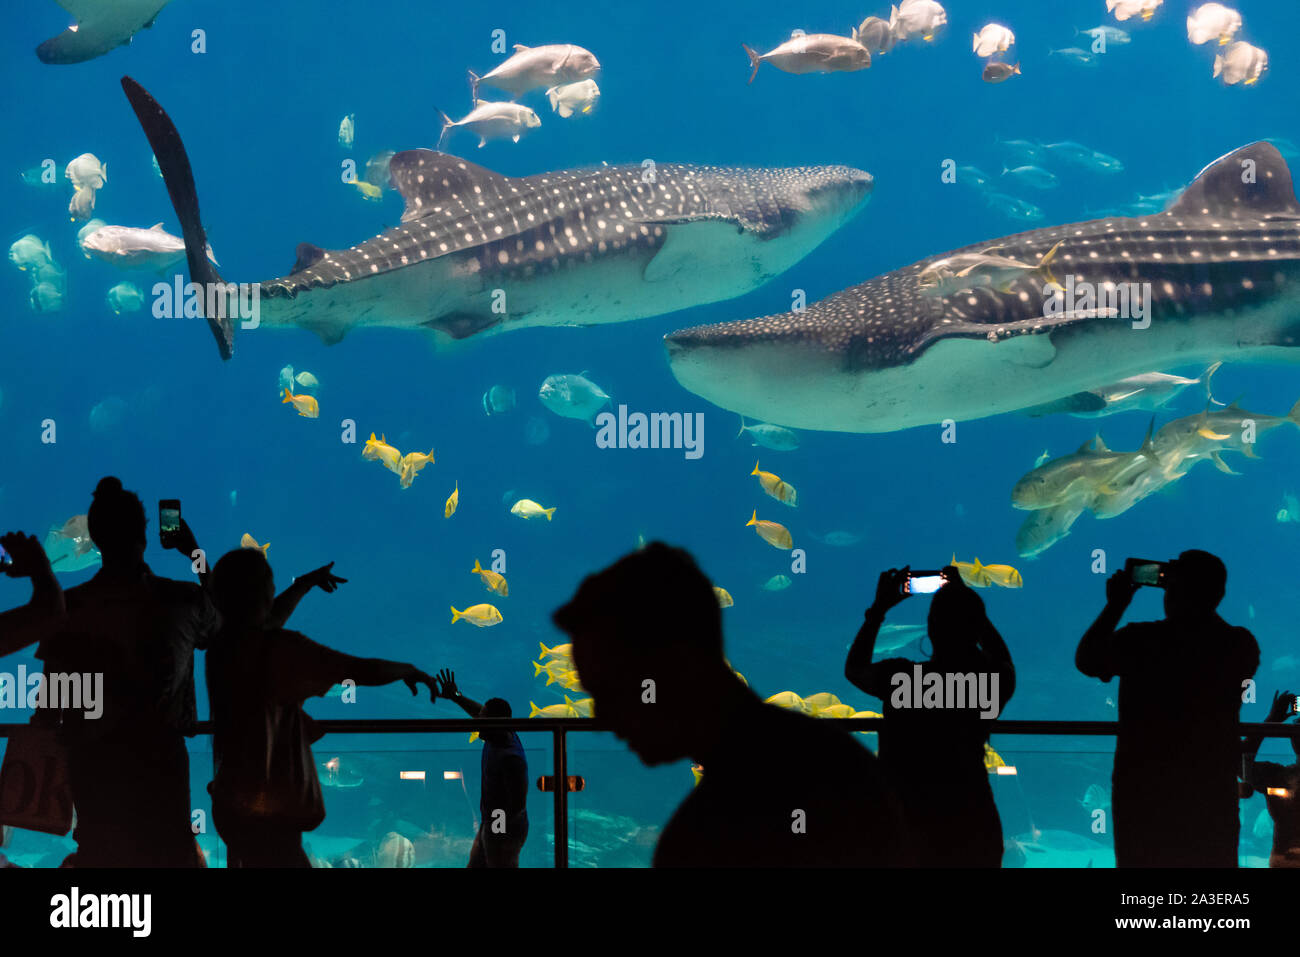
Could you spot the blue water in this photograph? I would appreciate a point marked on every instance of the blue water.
(259, 112)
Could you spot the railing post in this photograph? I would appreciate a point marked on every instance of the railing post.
(561, 801)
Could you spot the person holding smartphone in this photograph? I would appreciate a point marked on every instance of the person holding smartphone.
(936, 754)
(128, 766)
(1174, 785)
(1280, 784)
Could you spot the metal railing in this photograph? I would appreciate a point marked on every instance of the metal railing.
(560, 727)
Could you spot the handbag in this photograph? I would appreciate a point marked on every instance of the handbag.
(35, 790)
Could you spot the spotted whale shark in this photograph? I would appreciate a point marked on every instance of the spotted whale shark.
(1215, 276)
(477, 252)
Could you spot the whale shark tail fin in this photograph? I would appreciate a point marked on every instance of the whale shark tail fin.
(179, 178)
(754, 60)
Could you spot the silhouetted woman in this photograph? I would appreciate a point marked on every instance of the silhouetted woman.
(265, 791)
(936, 753)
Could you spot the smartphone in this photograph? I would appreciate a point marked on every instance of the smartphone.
(169, 521)
(924, 583)
(1144, 571)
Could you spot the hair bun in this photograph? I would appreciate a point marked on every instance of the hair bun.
(108, 486)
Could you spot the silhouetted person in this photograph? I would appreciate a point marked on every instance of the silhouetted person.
(1174, 786)
(1280, 785)
(935, 755)
(129, 768)
(503, 800)
(265, 790)
(779, 789)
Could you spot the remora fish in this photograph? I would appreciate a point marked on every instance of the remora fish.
(101, 26)
(1223, 265)
(575, 247)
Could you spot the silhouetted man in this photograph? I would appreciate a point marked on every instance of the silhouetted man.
(1280, 785)
(779, 789)
(128, 768)
(503, 797)
(1174, 785)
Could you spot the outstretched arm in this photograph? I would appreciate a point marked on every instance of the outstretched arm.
(43, 615)
(857, 666)
(1092, 657)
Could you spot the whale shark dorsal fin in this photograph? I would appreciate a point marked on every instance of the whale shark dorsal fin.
(1219, 189)
(429, 179)
(308, 255)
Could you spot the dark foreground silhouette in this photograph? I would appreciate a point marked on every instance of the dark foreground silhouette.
(936, 755)
(778, 789)
(1174, 786)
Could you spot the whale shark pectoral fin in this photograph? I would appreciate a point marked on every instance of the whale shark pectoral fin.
(691, 245)
(1221, 188)
(331, 332)
(462, 325)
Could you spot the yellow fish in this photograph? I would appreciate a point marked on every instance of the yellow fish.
(992, 759)
(819, 701)
(1004, 575)
(483, 616)
(553, 670)
(369, 190)
(836, 711)
(789, 700)
(378, 450)
(560, 652)
(527, 508)
(558, 671)
(736, 673)
(582, 708)
(408, 467)
(249, 542)
(724, 597)
(698, 771)
(450, 509)
(492, 580)
(774, 533)
(306, 405)
(974, 575)
(773, 486)
(550, 711)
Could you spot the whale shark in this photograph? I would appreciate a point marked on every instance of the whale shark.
(1215, 276)
(477, 252)
(101, 26)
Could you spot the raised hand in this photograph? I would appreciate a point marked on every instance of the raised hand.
(447, 682)
(27, 559)
(889, 588)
